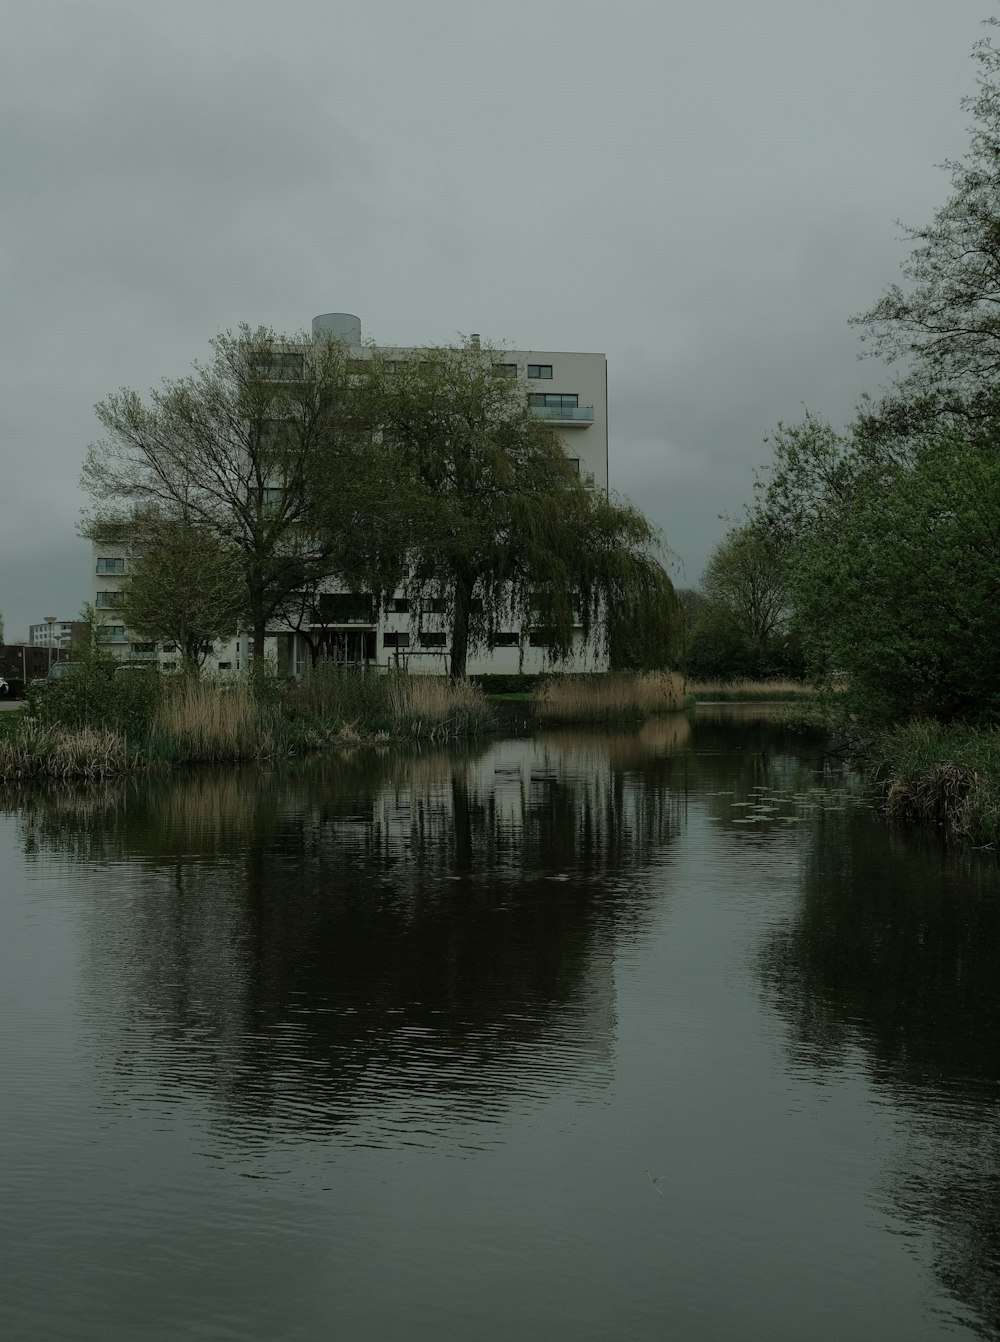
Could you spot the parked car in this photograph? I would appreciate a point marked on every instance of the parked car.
(60, 670)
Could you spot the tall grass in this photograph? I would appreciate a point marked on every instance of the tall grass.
(39, 750)
(203, 721)
(943, 776)
(99, 727)
(435, 707)
(744, 691)
(613, 698)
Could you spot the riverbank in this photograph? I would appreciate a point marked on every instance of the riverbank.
(97, 725)
(750, 691)
(945, 777)
(93, 725)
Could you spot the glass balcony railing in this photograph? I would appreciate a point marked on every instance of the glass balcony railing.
(580, 416)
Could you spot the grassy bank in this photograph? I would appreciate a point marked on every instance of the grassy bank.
(612, 698)
(749, 691)
(93, 725)
(945, 777)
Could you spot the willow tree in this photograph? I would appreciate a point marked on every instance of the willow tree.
(262, 450)
(494, 523)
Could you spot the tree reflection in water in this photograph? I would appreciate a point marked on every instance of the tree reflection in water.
(388, 941)
(894, 955)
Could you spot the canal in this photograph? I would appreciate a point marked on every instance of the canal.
(642, 1034)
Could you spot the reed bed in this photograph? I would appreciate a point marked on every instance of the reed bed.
(613, 698)
(748, 691)
(203, 721)
(50, 751)
(943, 776)
(437, 708)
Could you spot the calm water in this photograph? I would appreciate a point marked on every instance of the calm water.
(591, 1036)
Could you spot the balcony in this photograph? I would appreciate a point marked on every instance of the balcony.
(569, 416)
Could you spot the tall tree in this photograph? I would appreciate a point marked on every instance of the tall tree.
(262, 450)
(946, 321)
(496, 526)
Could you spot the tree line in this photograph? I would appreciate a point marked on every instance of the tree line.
(873, 553)
(286, 469)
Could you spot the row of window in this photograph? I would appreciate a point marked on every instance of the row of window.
(541, 372)
(505, 639)
(558, 400)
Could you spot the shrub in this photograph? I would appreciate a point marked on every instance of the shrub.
(95, 696)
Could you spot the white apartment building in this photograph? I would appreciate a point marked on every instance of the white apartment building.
(53, 633)
(567, 389)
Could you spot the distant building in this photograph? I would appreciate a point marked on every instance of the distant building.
(52, 633)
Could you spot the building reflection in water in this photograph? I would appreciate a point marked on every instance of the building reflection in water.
(380, 944)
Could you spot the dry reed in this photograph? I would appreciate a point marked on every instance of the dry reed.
(609, 698)
(743, 691)
(202, 721)
(52, 751)
(435, 707)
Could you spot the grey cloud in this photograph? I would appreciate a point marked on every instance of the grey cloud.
(703, 192)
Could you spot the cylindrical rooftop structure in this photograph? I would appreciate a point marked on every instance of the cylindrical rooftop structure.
(337, 326)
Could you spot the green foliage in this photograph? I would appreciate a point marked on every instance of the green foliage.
(947, 777)
(184, 586)
(261, 449)
(340, 695)
(96, 696)
(899, 587)
(738, 626)
(496, 525)
(496, 684)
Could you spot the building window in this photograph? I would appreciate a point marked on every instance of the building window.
(225, 666)
(281, 368)
(539, 638)
(505, 369)
(391, 640)
(106, 566)
(397, 605)
(345, 608)
(111, 633)
(508, 639)
(557, 400)
(108, 600)
(429, 640)
(574, 464)
(143, 647)
(434, 605)
(542, 371)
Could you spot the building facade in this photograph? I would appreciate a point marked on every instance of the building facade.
(53, 633)
(566, 389)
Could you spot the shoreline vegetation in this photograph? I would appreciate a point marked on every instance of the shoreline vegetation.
(937, 776)
(91, 726)
(94, 725)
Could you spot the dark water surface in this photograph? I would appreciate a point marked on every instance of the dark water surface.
(642, 1035)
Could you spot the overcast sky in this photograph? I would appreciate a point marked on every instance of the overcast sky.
(704, 192)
